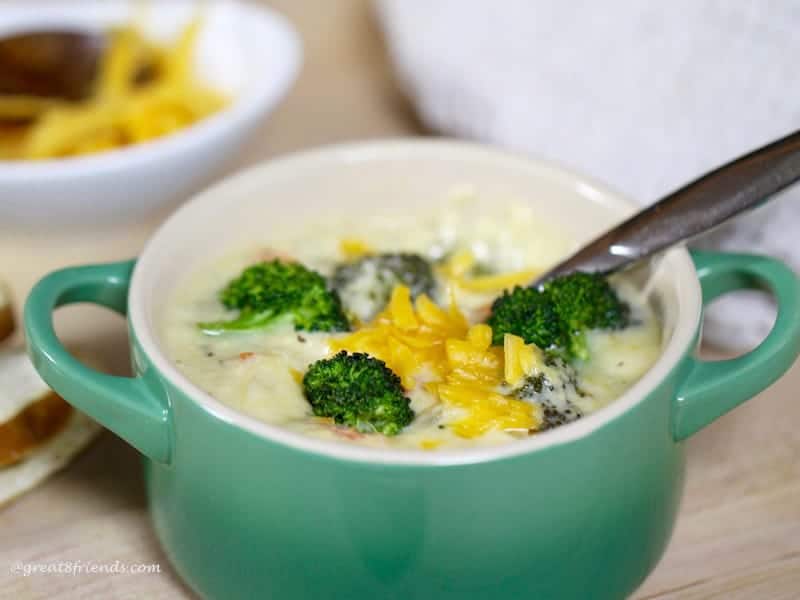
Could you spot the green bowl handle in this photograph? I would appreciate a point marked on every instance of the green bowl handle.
(126, 406)
(713, 388)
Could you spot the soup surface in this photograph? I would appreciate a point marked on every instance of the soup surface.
(463, 389)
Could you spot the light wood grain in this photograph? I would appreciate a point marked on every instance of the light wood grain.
(738, 534)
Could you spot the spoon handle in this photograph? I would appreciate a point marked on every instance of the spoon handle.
(699, 206)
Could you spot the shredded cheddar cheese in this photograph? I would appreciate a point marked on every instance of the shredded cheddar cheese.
(457, 269)
(487, 410)
(297, 376)
(458, 264)
(497, 283)
(353, 248)
(476, 372)
(430, 444)
(409, 339)
(124, 108)
(425, 344)
(521, 359)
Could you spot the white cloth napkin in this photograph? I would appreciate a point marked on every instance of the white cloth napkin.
(643, 95)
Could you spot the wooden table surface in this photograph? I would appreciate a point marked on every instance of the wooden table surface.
(738, 534)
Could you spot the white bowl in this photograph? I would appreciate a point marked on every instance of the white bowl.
(251, 53)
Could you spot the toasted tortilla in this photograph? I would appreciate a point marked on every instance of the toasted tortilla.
(42, 432)
(6, 312)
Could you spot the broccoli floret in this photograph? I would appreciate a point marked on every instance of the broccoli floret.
(366, 285)
(270, 291)
(552, 388)
(529, 314)
(359, 391)
(586, 301)
(557, 315)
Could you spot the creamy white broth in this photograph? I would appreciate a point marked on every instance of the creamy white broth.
(256, 372)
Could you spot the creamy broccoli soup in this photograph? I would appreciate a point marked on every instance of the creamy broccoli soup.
(410, 332)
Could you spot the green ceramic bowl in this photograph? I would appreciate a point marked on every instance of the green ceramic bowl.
(247, 510)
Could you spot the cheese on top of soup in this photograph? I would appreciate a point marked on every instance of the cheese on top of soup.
(411, 332)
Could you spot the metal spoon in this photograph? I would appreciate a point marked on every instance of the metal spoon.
(696, 208)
